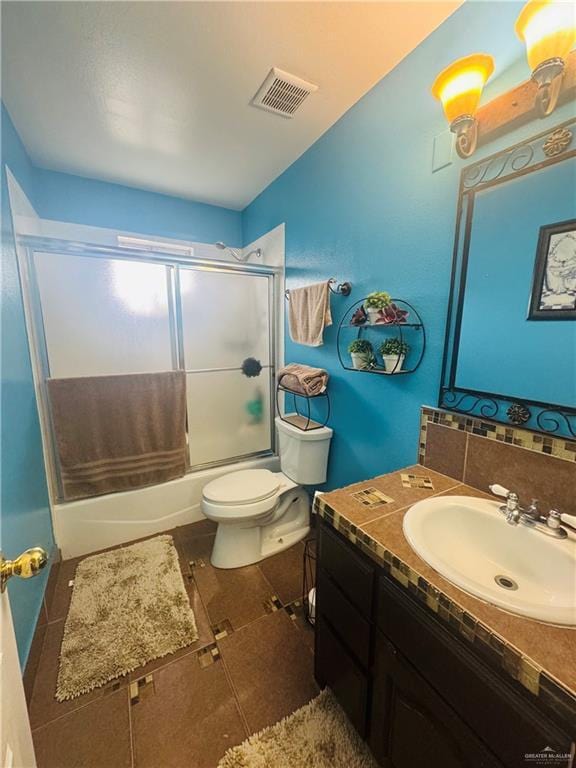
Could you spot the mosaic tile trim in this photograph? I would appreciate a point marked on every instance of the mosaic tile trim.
(298, 613)
(488, 644)
(208, 655)
(371, 497)
(222, 629)
(137, 686)
(294, 610)
(417, 481)
(560, 447)
(272, 604)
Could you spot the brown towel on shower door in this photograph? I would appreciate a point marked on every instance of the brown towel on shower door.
(309, 313)
(116, 433)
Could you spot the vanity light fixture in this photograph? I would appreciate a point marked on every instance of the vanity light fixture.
(459, 88)
(548, 29)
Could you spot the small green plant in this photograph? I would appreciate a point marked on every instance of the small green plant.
(378, 300)
(394, 347)
(360, 347)
(362, 354)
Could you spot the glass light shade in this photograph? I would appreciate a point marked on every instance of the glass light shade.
(459, 86)
(548, 29)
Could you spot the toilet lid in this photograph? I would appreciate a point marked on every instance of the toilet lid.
(244, 487)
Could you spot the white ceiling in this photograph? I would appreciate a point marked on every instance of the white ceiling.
(157, 94)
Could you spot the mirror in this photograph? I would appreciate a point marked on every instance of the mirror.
(511, 337)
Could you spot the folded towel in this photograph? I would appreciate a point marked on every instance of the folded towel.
(303, 379)
(309, 313)
(115, 433)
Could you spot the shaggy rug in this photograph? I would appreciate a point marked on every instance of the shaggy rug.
(129, 606)
(318, 735)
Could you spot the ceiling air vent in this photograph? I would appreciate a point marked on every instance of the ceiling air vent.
(282, 93)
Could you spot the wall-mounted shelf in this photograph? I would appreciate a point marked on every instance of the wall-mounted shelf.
(412, 332)
(385, 325)
(305, 422)
(299, 394)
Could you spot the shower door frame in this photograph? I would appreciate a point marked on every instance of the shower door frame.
(172, 261)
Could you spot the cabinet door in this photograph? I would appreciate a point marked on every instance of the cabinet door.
(412, 726)
(352, 572)
(504, 718)
(336, 668)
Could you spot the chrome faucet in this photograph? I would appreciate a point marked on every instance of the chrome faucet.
(533, 512)
(558, 520)
(511, 510)
(554, 524)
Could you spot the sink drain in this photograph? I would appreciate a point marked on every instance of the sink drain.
(505, 582)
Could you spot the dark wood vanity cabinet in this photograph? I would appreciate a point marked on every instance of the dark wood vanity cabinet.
(417, 694)
(411, 725)
(345, 584)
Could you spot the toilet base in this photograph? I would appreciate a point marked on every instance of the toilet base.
(249, 542)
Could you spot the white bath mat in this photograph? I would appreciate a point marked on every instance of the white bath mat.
(129, 606)
(318, 735)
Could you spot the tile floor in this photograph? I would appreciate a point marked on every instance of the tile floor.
(251, 666)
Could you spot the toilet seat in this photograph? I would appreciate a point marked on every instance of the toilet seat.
(248, 486)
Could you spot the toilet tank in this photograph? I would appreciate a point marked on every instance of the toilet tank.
(303, 454)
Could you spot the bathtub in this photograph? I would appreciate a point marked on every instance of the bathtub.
(85, 526)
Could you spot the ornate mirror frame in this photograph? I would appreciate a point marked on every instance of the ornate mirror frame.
(533, 154)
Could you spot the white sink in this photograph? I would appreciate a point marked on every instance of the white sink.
(469, 542)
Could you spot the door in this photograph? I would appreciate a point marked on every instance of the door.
(227, 355)
(16, 749)
(336, 668)
(101, 314)
(411, 725)
(16, 746)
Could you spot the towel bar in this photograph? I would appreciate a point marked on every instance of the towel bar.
(335, 287)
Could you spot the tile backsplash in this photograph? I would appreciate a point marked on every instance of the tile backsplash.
(481, 452)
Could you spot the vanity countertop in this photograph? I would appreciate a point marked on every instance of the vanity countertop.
(541, 657)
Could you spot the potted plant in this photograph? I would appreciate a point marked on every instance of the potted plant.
(362, 354)
(359, 317)
(376, 302)
(393, 353)
(392, 315)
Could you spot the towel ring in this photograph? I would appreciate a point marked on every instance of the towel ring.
(344, 289)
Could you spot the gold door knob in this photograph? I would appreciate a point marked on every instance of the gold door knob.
(29, 564)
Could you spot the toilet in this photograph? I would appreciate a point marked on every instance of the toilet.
(259, 512)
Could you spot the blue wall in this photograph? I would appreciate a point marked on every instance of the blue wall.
(362, 204)
(500, 349)
(64, 197)
(25, 514)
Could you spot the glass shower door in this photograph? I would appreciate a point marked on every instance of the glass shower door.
(101, 315)
(104, 316)
(225, 320)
